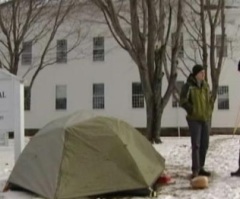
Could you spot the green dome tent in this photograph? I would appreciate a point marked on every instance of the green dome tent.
(70, 159)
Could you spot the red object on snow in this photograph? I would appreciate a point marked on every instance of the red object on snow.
(164, 179)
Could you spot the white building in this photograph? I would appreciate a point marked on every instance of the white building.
(106, 81)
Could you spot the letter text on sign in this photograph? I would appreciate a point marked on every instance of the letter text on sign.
(2, 94)
(6, 105)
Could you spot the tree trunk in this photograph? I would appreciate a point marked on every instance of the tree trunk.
(147, 45)
(154, 117)
(14, 61)
(157, 124)
(150, 118)
(215, 85)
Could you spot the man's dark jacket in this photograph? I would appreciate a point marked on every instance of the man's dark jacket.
(196, 100)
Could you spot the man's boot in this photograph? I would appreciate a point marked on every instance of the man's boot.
(202, 172)
(194, 175)
(236, 173)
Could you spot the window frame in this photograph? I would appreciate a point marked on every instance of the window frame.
(98, 49)
(223, 102)
(137, 96)
(27, 102)
(181, 44)
(60, 102)
(61, 51)
(26, 57)
(179, 85)
(218, 45)
(98, 96)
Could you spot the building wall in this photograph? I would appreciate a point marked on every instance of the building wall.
(117, 73)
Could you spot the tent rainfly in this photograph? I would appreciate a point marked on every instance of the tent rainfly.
(70, 158)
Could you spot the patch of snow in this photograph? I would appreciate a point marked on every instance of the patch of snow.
(222, 158)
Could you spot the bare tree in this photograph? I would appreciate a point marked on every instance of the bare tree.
(206, 27)
(38, 22)
(150, 25)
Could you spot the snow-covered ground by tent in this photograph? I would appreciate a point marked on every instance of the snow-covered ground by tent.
(222, 158)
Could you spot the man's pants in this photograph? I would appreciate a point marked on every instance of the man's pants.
(239, 158)
(199, 132)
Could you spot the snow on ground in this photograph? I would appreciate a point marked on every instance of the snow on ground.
(222, 158)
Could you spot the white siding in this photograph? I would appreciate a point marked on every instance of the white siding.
(117, 72)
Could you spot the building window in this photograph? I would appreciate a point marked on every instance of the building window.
(27, 53)
(98, 96)
(61, 51)
(137, 95)
(223, 98)
(181, 44)
(27, 98)
(61, 97)
(177, 90)
(98, 49)
(218, 46)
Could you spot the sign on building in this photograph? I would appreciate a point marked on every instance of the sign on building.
(12, 109)
(5, 103)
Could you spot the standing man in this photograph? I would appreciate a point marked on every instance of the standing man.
(195, 99)
(237, 173)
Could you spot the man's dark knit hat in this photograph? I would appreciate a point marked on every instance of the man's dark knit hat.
(196, 69)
